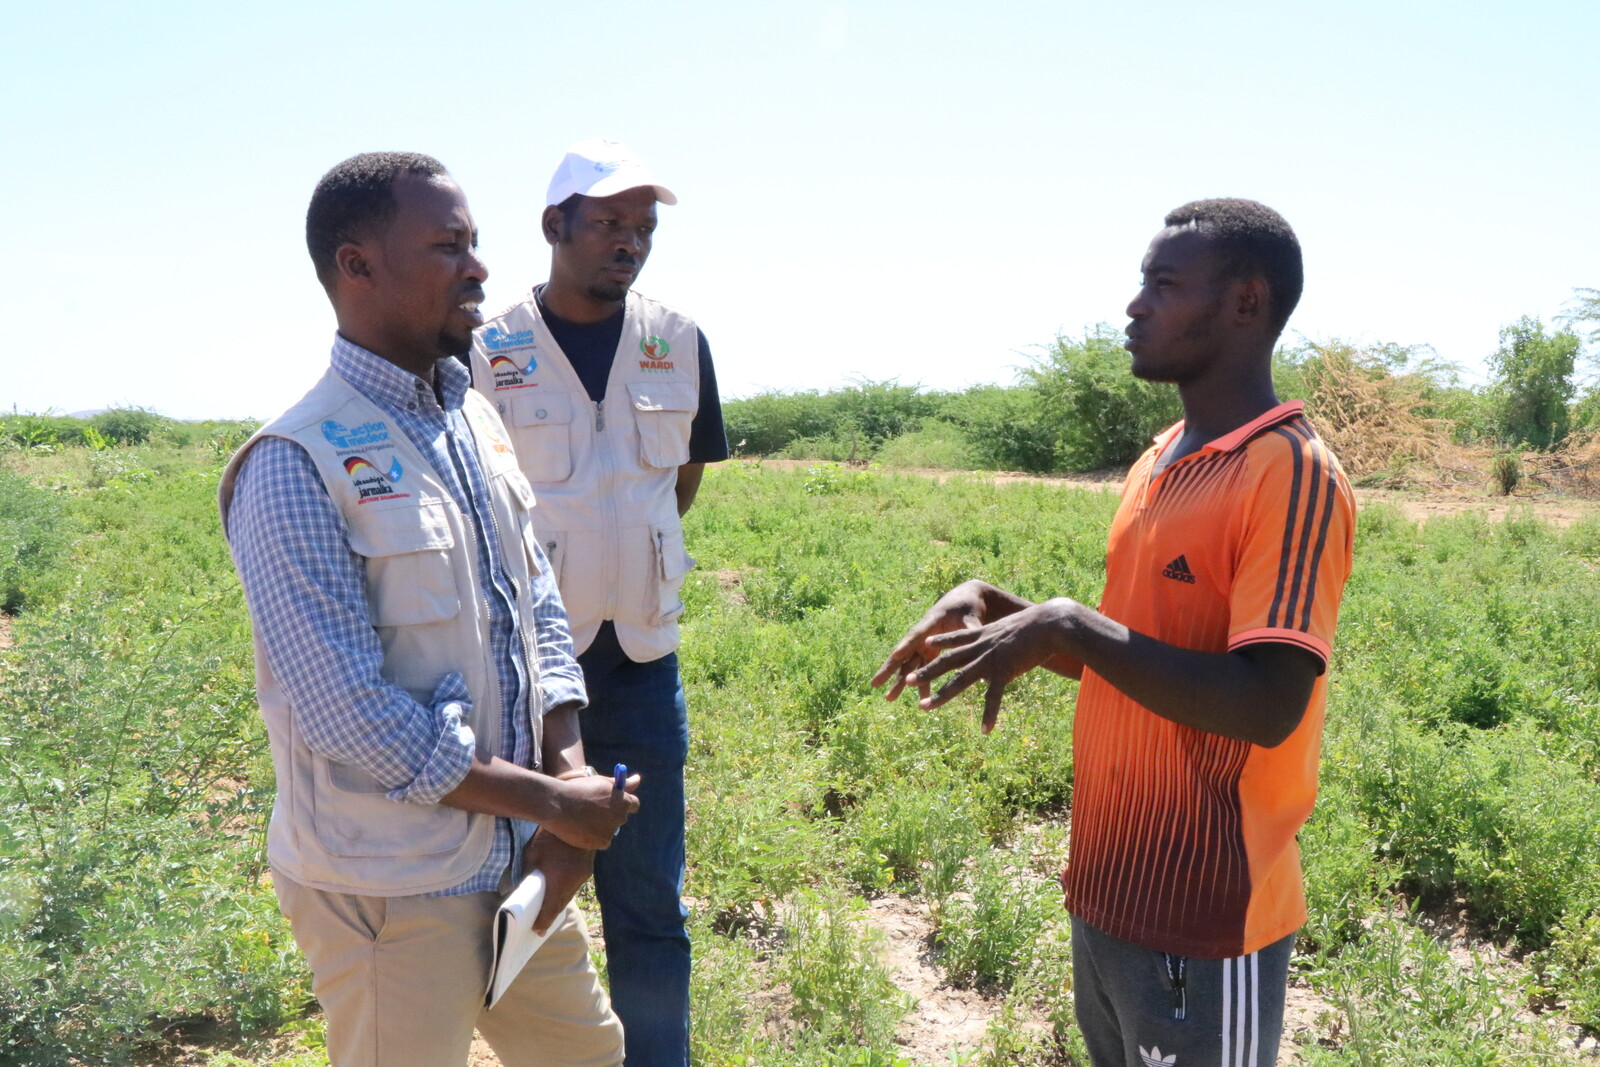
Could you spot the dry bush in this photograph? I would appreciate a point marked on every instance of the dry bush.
(1369, 417)
(1573, 469)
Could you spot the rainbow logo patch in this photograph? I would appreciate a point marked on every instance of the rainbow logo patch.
(508, 375)
(371, 483)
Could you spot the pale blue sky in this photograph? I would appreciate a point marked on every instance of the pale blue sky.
(911, 191)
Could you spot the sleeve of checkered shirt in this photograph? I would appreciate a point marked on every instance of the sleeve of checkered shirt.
(1298, 546)
(306, 593)
(560, 677)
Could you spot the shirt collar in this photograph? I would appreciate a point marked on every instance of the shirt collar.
(1237, 438)
(386, 384)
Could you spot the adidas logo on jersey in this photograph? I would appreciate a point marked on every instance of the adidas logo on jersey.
(1153, 1057)
(1178, 570)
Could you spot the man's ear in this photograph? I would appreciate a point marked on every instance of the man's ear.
(1252, 299)
(352, 265)
(551, 223)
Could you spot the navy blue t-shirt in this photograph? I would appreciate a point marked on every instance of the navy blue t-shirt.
(592, 347)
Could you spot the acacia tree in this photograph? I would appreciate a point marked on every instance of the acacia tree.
(1533, 386)
(1583, 318)
(1585, 313)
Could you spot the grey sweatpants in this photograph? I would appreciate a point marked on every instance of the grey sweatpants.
(1142, 1008)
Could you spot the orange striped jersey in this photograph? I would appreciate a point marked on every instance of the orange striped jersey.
(1182, 840)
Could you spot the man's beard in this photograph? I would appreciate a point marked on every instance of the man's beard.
(454, 344)
(609, 293)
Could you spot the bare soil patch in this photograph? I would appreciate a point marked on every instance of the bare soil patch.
(729, 582)
(944, 1020)
(1307, 1019)
(6, 640)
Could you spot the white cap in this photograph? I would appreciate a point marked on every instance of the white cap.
(601, 167)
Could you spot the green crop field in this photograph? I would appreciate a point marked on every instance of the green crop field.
(1453, 859)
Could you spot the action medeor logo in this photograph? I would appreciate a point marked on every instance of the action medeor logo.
(653, 355)
(364, 436)
(495, 339)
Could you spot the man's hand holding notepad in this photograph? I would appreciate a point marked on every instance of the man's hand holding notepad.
(524, 919)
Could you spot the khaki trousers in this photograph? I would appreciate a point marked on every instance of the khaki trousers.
(401, 983)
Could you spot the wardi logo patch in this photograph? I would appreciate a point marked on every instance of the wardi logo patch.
(371, 483)
(489, 430)
(653, 355)
(509, 375)
(368, 433)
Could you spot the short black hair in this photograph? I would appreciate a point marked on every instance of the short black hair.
(355, 197)
(1253, 241)
(569, 206)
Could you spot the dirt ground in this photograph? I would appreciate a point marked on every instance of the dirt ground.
(947, 1025)
(1417, 505)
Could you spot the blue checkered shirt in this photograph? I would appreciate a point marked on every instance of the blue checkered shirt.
(306, 593)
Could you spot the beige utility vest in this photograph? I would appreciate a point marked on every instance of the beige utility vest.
(333, 827)
(605, 474)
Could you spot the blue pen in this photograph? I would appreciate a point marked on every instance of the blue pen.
(619, 782)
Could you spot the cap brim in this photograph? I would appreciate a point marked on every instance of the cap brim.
(621, 183)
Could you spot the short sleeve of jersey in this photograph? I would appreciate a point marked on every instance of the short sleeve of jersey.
(708, 441)
(1296, 549)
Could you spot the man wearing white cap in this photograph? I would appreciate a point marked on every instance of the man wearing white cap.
(611, 402)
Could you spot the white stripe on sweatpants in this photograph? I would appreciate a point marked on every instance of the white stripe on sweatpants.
(1241, 1010)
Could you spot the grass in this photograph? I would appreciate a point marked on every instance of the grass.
(1461, 772)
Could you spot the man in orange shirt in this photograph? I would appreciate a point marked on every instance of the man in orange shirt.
(1199, 717)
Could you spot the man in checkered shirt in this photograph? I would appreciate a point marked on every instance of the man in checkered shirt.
(413, 659)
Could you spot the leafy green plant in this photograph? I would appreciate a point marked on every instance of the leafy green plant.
(1506, 472)
(1404, 1001)
(129, 426)
(991, 932)
(34, 532)
(840, 991)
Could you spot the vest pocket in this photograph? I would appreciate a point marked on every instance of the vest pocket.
(409, 576)
(542, 431)
(354, 817)
(673, 562)
(664, 414)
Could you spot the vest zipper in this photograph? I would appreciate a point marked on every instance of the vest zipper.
(609, 514)
(530, 658)
(471, 515)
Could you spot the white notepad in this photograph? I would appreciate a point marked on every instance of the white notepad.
(514, 939)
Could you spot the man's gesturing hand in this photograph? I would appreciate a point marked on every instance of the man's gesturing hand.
(591, 810)
(961, 609)
(997, 652)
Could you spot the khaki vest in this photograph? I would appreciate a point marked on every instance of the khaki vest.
(332, 825)
(605, 474)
